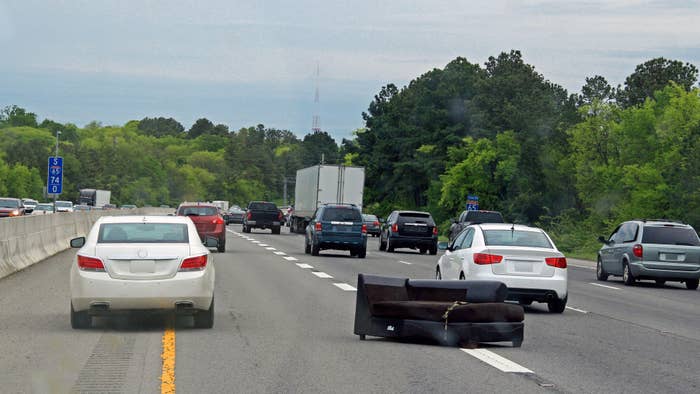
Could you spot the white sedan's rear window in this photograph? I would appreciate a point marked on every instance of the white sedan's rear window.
(532, 239)
(143, 233)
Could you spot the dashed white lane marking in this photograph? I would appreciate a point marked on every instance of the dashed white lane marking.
(582, 266)
(270, 248)
(576, 309)
(405, 262)
(322, 275)
(344, 287)
(496, 361)
(606, 286)
(254, 241)
(279, 253)
(290, 258)
(304, 265)
(263, 245)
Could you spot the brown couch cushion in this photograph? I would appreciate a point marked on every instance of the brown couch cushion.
(434, 310)
(437, 294)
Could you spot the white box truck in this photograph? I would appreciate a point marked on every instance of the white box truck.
(94, 197)
(325, 184)
(223, 205)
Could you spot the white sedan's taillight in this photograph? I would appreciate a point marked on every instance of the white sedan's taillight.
(86, 263)
(194, 263)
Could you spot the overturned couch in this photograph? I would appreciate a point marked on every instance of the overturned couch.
(451, 312)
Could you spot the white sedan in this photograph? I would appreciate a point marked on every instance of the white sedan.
(142, 263)
(522, 257)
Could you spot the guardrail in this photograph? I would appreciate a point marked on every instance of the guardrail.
(27, 240)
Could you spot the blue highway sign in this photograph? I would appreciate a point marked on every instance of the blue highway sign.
(54, 184)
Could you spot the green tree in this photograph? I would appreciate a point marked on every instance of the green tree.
(13, 115)
(654, 75)
(159, 127)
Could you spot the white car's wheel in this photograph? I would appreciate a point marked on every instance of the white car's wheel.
(79, 320)
(205, 318)
(438, 274)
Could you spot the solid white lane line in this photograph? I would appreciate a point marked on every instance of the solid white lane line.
(582, 266)
(405, 262)
(344, 287)
(496, 361)
(322, 275)
(270, 248)
(279, 253)
(576, 309)
(290, 258)
(606, 286)
(303, 265)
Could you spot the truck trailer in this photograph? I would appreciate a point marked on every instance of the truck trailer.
(94, 197)
(324, 184)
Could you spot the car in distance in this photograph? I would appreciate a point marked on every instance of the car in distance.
(43, 209)
(64, 206)
(128, 206)
(234, 215)
(108, 207)
(11, 207)
(472, 217)
(652, 249)
(524, 258)
(207, 220)
(262, 214)
(29, 205)
(81, 207)
(339, 227)
(409, 229)
(142, 263)
(372, 223)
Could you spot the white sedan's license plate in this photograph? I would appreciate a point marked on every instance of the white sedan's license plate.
(522, 267)
(142, 266)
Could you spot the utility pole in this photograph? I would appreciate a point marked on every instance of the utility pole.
(284, 189)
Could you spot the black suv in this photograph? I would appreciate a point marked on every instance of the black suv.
(472, 217)
(262, 214)
(409, 229)
(655, 249)
(337, 226)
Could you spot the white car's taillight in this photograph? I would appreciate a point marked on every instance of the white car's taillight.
(557, 262)
(86, 263)
(194, 263)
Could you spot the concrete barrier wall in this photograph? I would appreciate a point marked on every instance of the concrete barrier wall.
(27, 240)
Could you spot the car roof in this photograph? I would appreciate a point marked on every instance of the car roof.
(198, 204)
(507, 226)
(9, 198)
(144, 219)
(659, 222)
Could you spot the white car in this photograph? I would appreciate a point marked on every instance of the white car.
(142, 263)
(64, 206)
(43, 209)
(523, 258)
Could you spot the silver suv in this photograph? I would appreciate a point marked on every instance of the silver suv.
(654, 249)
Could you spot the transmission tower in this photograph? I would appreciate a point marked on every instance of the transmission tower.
(316, 123)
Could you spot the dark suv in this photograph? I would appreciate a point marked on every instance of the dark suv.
(660, 250)
(337, 226)
(409, 229)
(467, 218)
(262, 214)
(208, 221)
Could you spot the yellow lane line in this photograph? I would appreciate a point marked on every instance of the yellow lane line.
(167, 377)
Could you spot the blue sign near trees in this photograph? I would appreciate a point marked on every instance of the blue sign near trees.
(54, 184)
(472, 203)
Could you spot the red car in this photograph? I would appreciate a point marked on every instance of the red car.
(11, 207)
(208, 221)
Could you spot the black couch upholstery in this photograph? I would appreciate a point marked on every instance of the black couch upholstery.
(405, 308)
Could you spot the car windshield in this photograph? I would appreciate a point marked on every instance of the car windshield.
(532, 239)
(63, 204)
(9, 203)
(198, 211)
(143, 233)
(43, 207)
(262, 206)
(670, 236)
(484, 217)
(415, 217)
(341, 215)
(369, 218)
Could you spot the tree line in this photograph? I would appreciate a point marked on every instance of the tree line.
(574, 163)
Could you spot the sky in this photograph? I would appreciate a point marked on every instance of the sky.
(254, 62)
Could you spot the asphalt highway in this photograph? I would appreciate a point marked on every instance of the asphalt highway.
(284, 323)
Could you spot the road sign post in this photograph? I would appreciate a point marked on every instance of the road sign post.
(54, 182)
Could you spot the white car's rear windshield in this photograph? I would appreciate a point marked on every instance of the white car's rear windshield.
(532, 239)
(143, 233)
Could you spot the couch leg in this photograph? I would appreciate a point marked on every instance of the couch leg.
(362, 337)
(517, 343)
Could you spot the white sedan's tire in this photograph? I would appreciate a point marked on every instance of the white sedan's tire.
(205, 318)
(79, 320)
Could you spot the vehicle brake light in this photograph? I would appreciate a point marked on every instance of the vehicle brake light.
(279, 215)
(375, 223)
(218, 220)
(364, 229)
(318, 226)
(194, 263)
(485, 258)
(395, 228)
(249, 215)
(638, 251)
(86, 263)
(556, 262)
(435, 230)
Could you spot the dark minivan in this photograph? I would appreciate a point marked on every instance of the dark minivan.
(409, 229)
